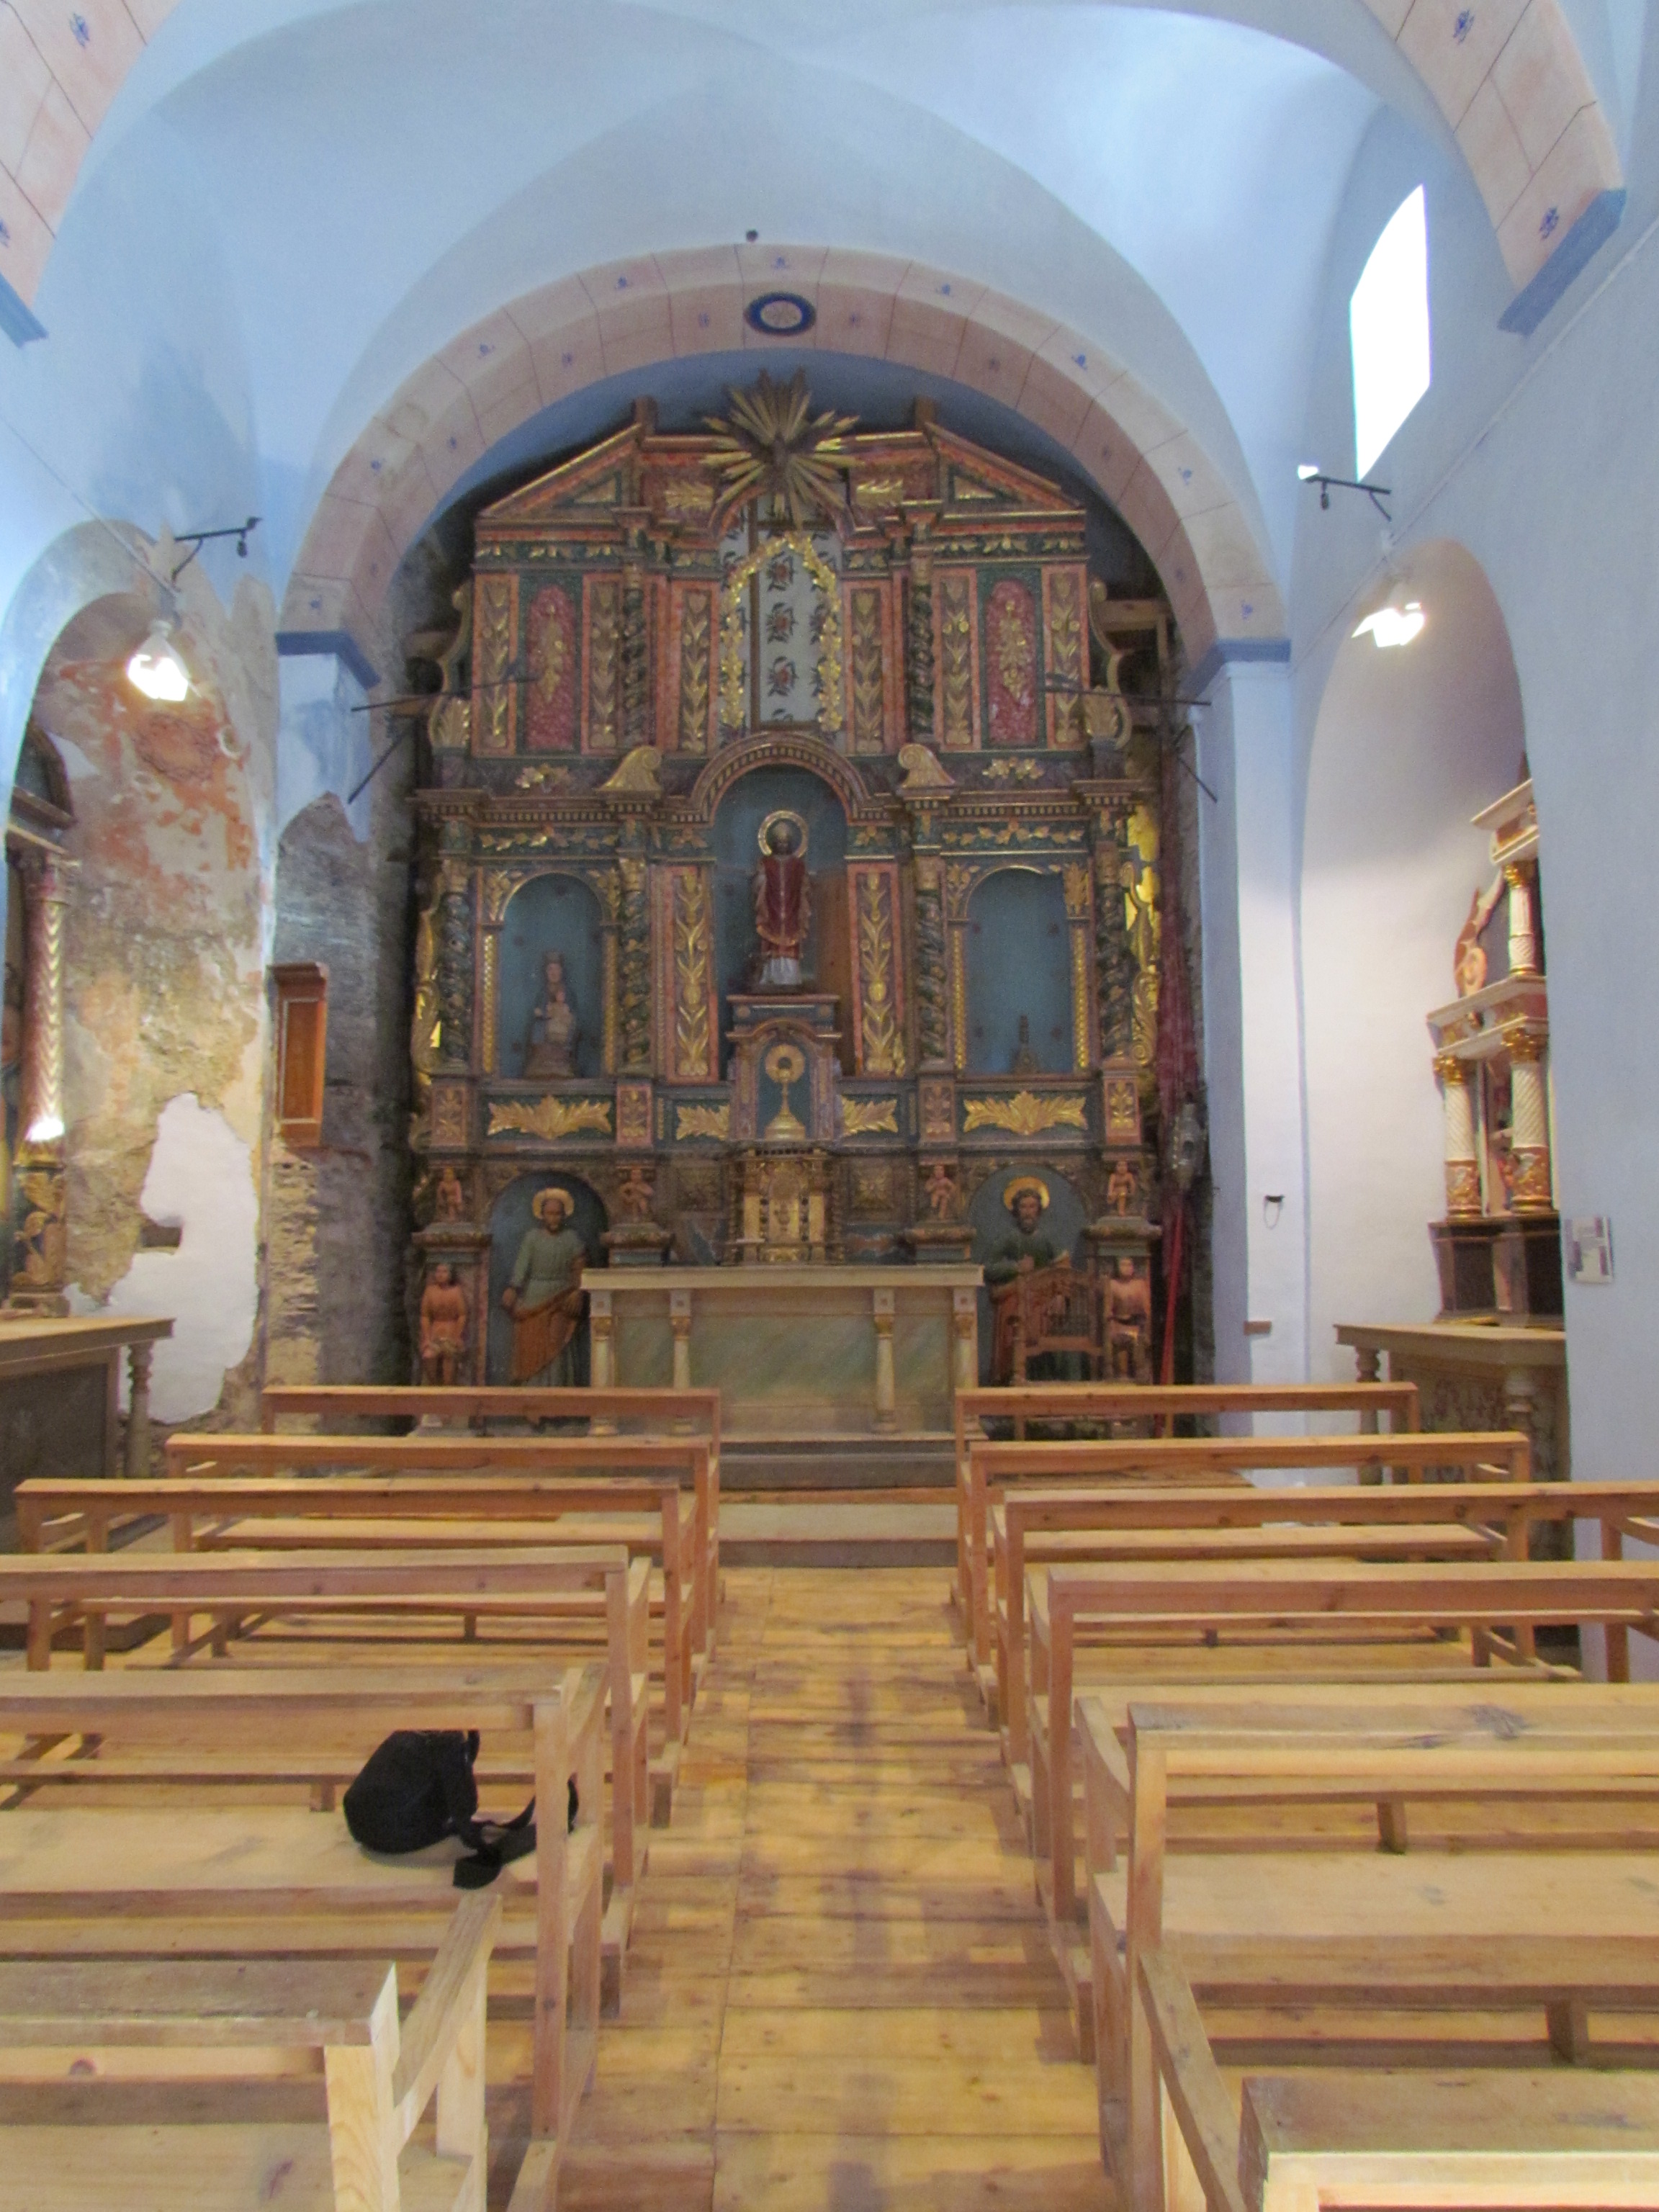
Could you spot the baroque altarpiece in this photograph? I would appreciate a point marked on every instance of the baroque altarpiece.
(877, 664)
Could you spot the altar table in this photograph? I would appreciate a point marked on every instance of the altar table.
(794, 1350)
(60, 1399)
(1471, 1374)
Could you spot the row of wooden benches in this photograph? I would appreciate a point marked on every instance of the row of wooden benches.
(496, 1530)
(1314, 1622)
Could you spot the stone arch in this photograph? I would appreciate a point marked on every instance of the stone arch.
(1511, 83)
(568, 335)
(1408, 744)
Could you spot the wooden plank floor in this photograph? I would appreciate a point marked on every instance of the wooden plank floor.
(840, 1996)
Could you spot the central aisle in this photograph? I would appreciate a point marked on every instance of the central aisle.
(840, 1993)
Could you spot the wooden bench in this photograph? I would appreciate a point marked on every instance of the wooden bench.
(992, 1468)
(651, 1517)
(592, 1597)
(1049, 1528)
(1307, 1930)
(1323, 1618)
(263, 1880)
(693, 1461)
(164, 2023)
(1499, 2141)
(1157, 1406)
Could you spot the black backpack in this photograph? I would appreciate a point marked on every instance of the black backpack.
(418, 1787)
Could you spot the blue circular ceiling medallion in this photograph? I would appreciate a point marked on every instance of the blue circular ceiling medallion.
(779, 314)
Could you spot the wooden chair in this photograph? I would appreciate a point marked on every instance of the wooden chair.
(261, 1880)
(994, 1468)
(592, 1598)
(1050, 1312)
(168, 2023)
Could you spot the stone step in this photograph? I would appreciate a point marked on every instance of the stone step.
(816, 1532)
(836, 1463)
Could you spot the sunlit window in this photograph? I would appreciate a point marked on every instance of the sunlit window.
(1388, 327)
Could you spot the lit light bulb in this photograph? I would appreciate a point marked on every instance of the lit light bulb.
(1307, 470)
(1393, 625)
(157, 668)
(45, 1130)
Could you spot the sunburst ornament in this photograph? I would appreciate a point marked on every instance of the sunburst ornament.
(770, 442)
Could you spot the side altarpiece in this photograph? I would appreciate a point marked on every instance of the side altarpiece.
(893, 639)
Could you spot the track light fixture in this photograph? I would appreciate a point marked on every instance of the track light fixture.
(1310, 472)
(1392, 625)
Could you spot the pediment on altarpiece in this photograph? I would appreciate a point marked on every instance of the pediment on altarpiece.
(593, 487)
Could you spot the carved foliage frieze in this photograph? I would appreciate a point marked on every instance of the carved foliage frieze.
(689, 916)
(877, 1003)
(495, 654)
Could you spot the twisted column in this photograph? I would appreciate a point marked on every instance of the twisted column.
(1529, 1125)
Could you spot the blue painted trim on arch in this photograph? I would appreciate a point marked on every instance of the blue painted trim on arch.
(20, 325)
(294, 644)
(1592, 231)
(1226, 649)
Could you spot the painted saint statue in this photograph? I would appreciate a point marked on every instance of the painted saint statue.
(544, 1296)
(550, 1048)
(782, 901)
(1025, 1247)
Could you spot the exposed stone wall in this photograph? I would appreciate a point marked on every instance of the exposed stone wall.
(337, 1219)
(165, 1020)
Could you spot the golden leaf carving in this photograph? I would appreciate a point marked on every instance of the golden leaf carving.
(883, 1049)
(955, 658)
(550, 1117)
(492, 661)
(1024, 1115)
(1075, 875)
(866, 671)
(603, 654)
(691, 1038)
(694, 673)
(863, 1117)
(702, 1121)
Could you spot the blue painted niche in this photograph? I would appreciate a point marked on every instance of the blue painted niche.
(737, 855)
(551, 914)
(508, 1221)
(1019, 961)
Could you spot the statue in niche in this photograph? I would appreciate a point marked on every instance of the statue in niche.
(1024, 1061)
(1129, 1324)
(635, 1194)
(449, 1196)
(783, 907)
(550, 1048)
(943, 1196)
(444, 1318)
(544, 1295)
(1025, 1247)
(1122, 1187)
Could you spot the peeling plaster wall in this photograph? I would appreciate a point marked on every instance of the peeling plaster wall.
(165, 952)
(338, 1217)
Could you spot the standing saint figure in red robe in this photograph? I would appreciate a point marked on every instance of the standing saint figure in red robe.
(782, 901)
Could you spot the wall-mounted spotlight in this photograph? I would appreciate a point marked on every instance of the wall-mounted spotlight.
(1310, 472)
(1273, 1204)
(1393, 625)
(157, 668)
(196, 539)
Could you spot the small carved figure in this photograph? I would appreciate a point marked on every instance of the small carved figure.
(1469, 956)
(443, 1317)
(449, 1197)
(1129, 1323)
(634, 1195)
(943, 1196)
(544, 1294)
(1121, 1188)
(782, 900)
(1024, 1061)
(550, 1048)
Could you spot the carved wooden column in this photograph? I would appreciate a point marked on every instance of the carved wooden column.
(882, 1304)
(964, 1340)
(679, 1321)
(602, 1337)
(919, 641)
(1462, 1167)
(1524, 935)
(39, 1260)
(1115, 964)
(1529, 1125)
(135, 1460)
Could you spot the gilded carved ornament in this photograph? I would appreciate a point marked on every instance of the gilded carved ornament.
(1024, 1115)
(863, 1117)
(702, 1121)
(550, 1118)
